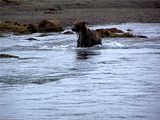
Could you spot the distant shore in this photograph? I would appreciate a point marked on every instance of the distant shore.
(93, 11)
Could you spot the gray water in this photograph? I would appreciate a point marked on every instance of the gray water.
(54, 80)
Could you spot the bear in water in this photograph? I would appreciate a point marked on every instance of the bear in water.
(86, 37)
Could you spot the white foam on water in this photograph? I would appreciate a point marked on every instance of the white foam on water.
(114, 45)
(44, 47)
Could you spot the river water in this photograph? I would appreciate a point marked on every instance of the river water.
(54, 80)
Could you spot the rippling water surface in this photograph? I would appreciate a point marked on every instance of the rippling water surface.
(54, 80)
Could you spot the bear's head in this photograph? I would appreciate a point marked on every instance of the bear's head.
(79, 25)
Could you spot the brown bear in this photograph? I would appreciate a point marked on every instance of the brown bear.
(86, 37)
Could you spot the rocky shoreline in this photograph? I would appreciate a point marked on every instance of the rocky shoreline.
(46, 26)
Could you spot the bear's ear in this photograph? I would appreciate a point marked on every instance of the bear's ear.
(84, 22)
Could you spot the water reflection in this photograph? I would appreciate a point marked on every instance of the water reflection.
(84, 54)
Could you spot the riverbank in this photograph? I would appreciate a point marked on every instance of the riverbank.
(94, 11)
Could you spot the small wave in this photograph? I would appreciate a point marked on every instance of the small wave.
(19, 47)
(39, 47)
(27, 80)
(45, 47)
(114, 45)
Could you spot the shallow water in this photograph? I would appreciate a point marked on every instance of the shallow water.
(54, 80)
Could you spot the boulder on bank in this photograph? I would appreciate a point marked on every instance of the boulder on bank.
(114, 32)
(104, 32)
(50, 26)
(108, 32)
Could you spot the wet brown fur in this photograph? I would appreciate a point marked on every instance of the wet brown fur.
(86, 37)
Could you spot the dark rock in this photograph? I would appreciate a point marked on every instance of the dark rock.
(51, 9)
(7, 22)
(141, 36)
(8, 56)
(15, 23)
(32, 39)
(6, 1)
(25, 25)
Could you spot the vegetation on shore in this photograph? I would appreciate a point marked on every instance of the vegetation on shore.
(43, 26)
(13, 27)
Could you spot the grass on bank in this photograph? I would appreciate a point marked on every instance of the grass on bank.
(13, 27)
